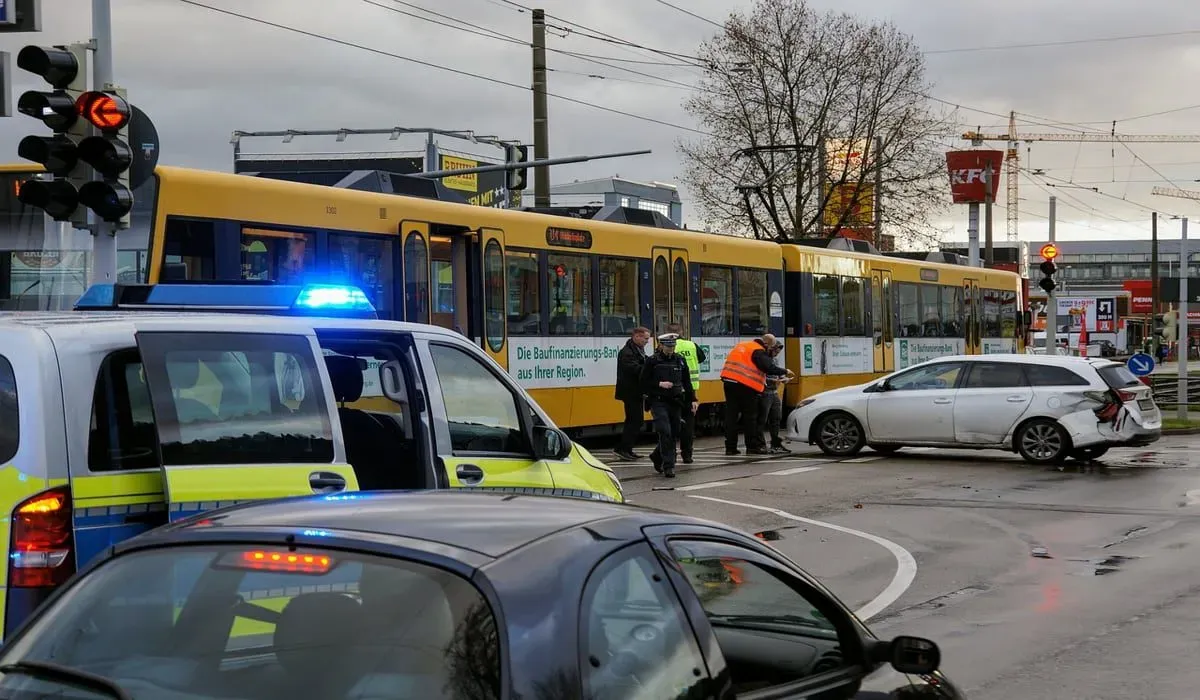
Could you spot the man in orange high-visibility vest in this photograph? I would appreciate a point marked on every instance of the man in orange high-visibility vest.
(744, 378)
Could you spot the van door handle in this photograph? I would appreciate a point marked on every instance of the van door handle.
(943, 401)
(326, 482)
(469, 474)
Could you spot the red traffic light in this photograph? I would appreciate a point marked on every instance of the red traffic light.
(104, 110)
(1049, 251)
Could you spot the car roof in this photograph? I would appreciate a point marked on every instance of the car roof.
(486, 522)
(1059, 360)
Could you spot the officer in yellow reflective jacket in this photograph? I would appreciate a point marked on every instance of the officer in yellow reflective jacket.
(693, 354)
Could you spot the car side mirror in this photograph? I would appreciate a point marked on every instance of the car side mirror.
(910, 655)
(551, 443)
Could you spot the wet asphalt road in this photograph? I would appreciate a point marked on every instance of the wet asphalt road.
(1079, 581)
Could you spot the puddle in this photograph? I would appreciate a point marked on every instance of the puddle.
(1103, 566)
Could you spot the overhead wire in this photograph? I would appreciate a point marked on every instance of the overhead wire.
(1064, 42)
(691, 14)
(428, 64)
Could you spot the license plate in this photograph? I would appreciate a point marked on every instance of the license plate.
(1147, 404)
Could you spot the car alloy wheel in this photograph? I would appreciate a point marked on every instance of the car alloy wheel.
(839, 434)
(1042, 441)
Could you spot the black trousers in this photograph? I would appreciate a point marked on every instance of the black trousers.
(687, 432)
(633, 424)
(741, 414)
(770, 415)
(667, 418)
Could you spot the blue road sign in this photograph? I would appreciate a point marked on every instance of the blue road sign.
(1140, 364)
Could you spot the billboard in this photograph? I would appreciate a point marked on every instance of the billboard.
(1141, 300)
(854, 201)
(850, 189)
(480, 189)
(966, 170)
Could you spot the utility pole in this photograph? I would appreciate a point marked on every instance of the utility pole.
(104, 234)
(1051, 302)
(541, 119)
(878, 194)
(1181, 405)
(989, 255)
(1154, 282)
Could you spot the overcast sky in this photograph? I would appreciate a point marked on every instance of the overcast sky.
(200, 74)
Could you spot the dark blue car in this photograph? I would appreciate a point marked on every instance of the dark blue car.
(469, 596)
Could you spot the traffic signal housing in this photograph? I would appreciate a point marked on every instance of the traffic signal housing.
(517, 179)
(65, 69)
(1049, 252)
(1170, 331)
(109, 154)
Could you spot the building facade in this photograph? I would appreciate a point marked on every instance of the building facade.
(619, 192)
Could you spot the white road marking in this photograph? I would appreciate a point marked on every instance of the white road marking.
(906, 565)
(793, 470)
(709, 485)
(860, 460)
(1193, 497)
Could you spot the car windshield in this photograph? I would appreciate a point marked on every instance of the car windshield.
(259, 623)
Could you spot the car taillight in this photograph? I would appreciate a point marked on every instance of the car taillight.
(1126, 395)
(41, 550)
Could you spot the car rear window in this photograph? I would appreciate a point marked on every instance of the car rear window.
(265, 623)
(1118, 376)
(9, 418)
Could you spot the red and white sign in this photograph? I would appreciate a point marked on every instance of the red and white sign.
(966, 170)
(1141, 300)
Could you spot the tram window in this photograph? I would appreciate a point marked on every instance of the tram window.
(493, 298)
(952, 312)
(716, 301)
(190, 248)
(826, 288)
(853, 306)
(931, 311)
(416, 279)
(1008, 314)
(524, 294)
(752, 302)
(876, 310)
(679, 289)
(910, 310)
(367, 264)
(570, 294)
(662, 295)
(991, 313)
(618, 296)
(279, 256)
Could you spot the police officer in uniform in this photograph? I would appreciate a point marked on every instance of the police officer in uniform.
(693, 355)
(668, 388)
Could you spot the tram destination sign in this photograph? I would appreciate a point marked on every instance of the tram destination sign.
(568, 237)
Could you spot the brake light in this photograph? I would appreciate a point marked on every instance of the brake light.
(42, 546)
(1126, 395)
(285, 562)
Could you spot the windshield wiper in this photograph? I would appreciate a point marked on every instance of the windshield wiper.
(778, 619)
(68, 676)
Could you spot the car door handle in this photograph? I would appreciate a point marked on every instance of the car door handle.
(326, 482)
(469, 474)
(943, 401)
(1016, 399)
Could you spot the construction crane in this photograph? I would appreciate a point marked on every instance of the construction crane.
(1012, 159)
(1173, 192)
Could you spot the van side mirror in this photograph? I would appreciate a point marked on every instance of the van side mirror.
(551, 443)
(910, 655)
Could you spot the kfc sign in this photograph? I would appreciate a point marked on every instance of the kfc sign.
(1140, 299)
(967, 169)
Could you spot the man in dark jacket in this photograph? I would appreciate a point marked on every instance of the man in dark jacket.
(667, 384)
(630, 361)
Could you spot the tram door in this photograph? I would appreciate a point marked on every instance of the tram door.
(436, 275)
(671, 290)
(882, 312)
(972, 301)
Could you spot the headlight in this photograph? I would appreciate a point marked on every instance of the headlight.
(616, 484)
(804, 403)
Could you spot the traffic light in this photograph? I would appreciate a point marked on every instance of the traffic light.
(1049, 252)
(108, 153)
(65, 69)
(514, 153)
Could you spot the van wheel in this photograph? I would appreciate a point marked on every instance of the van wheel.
(1042, 441)
(839, 434)
(1087, 454)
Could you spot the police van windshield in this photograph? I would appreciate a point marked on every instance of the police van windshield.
(230, 622)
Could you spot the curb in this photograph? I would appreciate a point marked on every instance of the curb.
(1181, 431)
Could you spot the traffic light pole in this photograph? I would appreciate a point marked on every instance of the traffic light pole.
(104, 234)
(1181, 406)
(1051, 302)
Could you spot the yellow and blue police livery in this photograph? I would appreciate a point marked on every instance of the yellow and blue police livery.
(133, 411)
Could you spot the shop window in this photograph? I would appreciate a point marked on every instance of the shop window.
(753, 313)
(716, 301)
(524, 314)
(618, 296)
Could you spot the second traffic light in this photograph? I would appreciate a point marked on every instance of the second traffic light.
(108, 153)
(517, 179)
(1048, 252)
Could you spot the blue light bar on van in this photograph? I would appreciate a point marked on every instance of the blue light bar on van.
(247, 297)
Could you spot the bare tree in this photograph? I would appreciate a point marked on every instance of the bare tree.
(784, 87)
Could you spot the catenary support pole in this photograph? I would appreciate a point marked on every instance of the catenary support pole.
(104, 234)
(1157, 342)
(541, 117)
(989, 258)
(1182, 405)
(1051, 302)
(973, 234)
